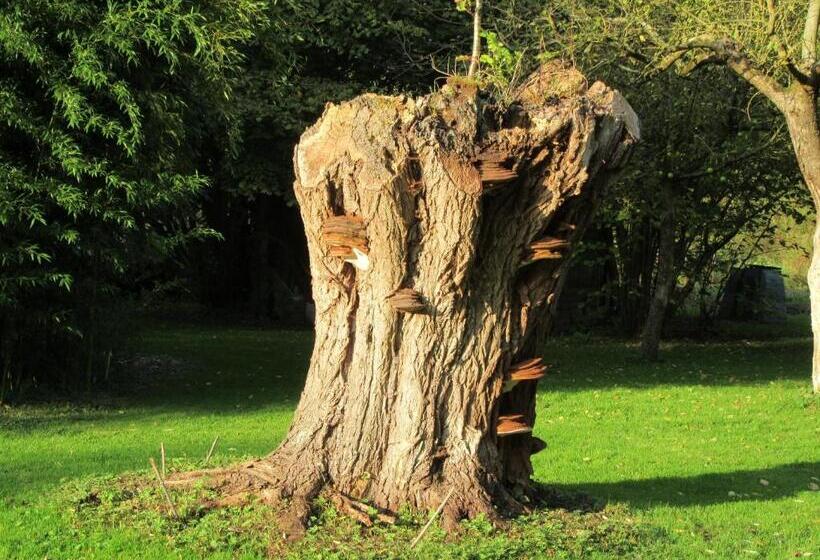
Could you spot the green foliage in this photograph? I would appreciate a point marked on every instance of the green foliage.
(104, 110)
(463, 5)
(500, 65)
(714, 163)
(648, 29)
(314, 53)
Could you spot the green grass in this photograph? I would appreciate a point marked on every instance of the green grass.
(710, 453)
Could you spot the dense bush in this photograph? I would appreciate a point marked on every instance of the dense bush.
(107, 111)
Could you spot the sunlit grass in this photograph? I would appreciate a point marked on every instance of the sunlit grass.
(715, 447)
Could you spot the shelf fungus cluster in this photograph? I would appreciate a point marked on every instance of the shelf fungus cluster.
(407, 300)
(529, 370)
(512, 424)
(345, 237)
(495, 168)
(546, 248)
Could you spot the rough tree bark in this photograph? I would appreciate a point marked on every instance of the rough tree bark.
(438, 230)
(799, 105)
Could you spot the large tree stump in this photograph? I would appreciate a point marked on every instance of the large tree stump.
(475, 206)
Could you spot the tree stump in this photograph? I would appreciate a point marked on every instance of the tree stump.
(451, 192)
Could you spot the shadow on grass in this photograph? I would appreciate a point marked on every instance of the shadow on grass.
(176, 366)
(594, 363)
(707, 489)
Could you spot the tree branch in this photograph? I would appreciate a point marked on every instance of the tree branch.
(728, 163)
(763, 83)
(725, 51)
(782, 51)
(476, 56)
(809, 50)
(699, 62)
(772, 17)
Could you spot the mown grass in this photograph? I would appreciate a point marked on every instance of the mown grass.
(711, 453)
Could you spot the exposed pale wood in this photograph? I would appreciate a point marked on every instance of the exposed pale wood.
(433, 517)
(475, 56)
(809, 44)
(800, 110)
(162, 458)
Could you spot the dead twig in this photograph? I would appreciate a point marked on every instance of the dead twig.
(432, 518)
(162, 458)
(164, 489)
(345, 505)
(211, 450)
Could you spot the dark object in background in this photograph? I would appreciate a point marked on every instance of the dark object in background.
(754, 293)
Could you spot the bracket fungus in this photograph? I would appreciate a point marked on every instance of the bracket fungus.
(547, 248)
(345, 237)
(407, 300)
(529, 370)
(495, 169)
(512, 424)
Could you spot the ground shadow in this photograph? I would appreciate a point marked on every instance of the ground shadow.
(223, 369)
(714, 488)
(584, 364)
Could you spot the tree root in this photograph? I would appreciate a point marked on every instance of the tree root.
(292, 495)
(360, 511)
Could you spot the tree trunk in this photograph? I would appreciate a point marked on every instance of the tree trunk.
(801, 116)
(438, 228)
(664, 282)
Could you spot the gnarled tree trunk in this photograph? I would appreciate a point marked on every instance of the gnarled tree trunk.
(438, 229)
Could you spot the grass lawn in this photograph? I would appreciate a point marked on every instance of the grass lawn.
(713, 452)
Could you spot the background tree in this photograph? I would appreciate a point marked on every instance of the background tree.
(105, 108)
(716, 149)
(770, 44)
